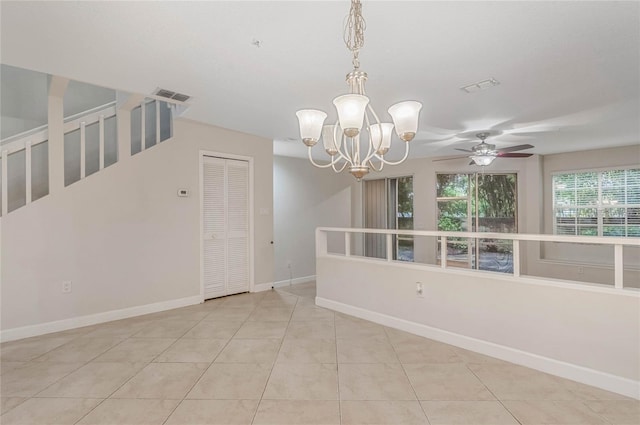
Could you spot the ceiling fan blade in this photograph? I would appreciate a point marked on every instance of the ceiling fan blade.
(464, 150)
(438, 130)
(447, 158)
(530, 133)
(514, 155)
(515, 148)
(425, 138)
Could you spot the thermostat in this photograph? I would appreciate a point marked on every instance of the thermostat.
(184, 193)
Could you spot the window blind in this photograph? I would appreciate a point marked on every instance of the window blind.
(602, 203)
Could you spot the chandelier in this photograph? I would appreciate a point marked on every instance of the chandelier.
(358, 140)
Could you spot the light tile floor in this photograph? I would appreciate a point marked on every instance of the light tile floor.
(276, 358)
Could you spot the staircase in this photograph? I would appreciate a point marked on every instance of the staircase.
(66, 150)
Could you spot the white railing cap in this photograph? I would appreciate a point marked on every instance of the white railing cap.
(596, 240)
(41, 134)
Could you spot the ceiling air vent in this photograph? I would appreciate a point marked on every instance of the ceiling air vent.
(180, 97)
(168, 94)
(480, 85)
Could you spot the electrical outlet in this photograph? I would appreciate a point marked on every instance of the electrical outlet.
(66, 287)
(288, 264)
(419, 290)
(580, 270)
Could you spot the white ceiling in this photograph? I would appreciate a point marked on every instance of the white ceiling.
(569, 72)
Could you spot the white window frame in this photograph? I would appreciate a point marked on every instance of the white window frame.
(387, 218)
(473, 217)
(599, 206)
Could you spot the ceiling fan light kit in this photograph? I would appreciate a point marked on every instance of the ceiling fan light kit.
(483, 160)
(484, 153)
(357, 120)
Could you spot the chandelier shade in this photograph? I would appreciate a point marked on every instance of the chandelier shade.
(358, 140)
(381, 137)
(331, 142)
(405, 117)
(310, 121)
(351, 108)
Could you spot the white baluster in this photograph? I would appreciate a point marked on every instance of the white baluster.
(101, 141)
(83, 150)
(5, 184)
(347, 244)
(321, 242)
(618, 267)
(157, 122)
(443, 252)
(143, 125)
(389, 247)
(516, 258)
(27, 168)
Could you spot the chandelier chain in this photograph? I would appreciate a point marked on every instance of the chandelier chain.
(354, 31)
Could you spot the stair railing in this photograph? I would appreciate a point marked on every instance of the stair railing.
(27, 140)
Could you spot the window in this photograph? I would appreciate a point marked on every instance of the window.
(388, 204)
(401, 191)
(478, 202)
(597, 203)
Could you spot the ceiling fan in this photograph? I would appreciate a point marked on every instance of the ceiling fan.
(484, 153)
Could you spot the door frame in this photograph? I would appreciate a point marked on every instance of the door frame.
(221, 155)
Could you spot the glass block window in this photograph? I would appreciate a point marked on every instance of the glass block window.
(597, 203)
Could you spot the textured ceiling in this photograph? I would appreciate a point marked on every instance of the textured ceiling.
(569, 72)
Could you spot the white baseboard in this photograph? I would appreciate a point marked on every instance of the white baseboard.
(304, 279)
(93, 319)
(259, 287)
(606, 381)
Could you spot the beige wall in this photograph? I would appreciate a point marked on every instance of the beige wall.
(123, 236)
(305, 197)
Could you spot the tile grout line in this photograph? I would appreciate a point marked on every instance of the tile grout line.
(596, 413)
(34, 359)
(406, 375)
(273, 365)
(335, 340)
(136, 374)
(4, 413)
(177, 339)
(113, 392)
(208, 367)
(142, 368)
(75, 370)
(92, 360)
(466, 365)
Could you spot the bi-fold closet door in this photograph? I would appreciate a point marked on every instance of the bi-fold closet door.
(225, 226)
